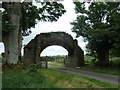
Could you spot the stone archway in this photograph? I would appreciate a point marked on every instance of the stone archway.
(33, 49)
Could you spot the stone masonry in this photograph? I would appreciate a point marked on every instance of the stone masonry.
(34, 48)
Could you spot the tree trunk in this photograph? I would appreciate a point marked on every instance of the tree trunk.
(19, 45)
(103, 56)
(11, 40)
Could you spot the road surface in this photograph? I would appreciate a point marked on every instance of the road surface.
(114, 79)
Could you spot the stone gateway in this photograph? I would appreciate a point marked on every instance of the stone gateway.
(34, 48)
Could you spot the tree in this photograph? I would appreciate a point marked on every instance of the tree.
(99, 25)
(19, 18)
(10, 40)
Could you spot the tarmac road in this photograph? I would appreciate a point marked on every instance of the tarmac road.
(114, 79)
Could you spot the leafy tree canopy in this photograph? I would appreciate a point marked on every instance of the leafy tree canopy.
(99, 24)
(49, 11)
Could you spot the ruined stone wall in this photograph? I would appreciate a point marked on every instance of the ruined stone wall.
(34, 48)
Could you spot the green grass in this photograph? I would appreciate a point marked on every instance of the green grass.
(55, 64)
(48, 78)
(99, 69)
(111, 69)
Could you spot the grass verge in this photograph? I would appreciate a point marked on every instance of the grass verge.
(112, 68)
(55, 64)
(48, 78)
(100, 69)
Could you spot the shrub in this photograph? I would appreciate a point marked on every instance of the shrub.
(33, 68)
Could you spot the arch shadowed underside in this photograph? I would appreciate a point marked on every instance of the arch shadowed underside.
(34, 48)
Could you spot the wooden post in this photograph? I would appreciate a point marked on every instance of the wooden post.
(46, 64)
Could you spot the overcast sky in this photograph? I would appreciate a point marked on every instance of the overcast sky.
(63, 24)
